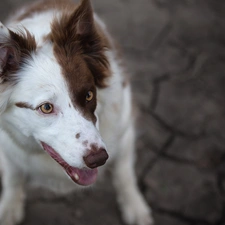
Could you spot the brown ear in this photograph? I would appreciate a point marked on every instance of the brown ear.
(3, 58)
(14, 48)
(9, 61)
(5, 50)
(91, 42)
(77, 35)
(82, 19)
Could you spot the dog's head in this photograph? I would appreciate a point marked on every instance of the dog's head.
(48, 90)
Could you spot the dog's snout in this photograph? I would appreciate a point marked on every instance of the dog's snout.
(96, 158)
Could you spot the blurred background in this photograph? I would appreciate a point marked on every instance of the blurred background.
(175, 54)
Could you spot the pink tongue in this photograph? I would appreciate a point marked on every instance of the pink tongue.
(83, 176)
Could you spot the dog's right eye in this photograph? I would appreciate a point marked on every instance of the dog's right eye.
(46, 108)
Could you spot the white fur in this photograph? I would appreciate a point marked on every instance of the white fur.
(38, 27)
(23, 129)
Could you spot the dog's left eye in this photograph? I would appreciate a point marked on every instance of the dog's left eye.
(46, 108)
(89, 96)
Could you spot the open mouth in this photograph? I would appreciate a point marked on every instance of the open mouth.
(83, 176)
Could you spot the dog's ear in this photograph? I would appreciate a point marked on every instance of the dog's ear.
(74, 27)
(82, 21)
(77, 34)
(92, 43)
(6, 52)
(14, 48)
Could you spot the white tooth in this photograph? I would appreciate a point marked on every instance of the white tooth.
(76, 176)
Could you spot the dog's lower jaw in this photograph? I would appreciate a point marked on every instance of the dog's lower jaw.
(82, 176)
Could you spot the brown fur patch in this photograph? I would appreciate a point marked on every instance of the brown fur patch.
(24, 105)
(77, 135)
(24, 42)
(79, 50)
(77, 35)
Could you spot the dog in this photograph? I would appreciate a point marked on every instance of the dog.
(65, 108)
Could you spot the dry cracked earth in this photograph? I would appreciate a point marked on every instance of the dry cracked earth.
(175, 53)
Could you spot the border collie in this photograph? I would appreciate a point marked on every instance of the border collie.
(65, 108)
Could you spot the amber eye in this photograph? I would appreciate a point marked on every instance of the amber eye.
(89, 96)
(46, 108)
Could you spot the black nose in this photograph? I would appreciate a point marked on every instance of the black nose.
(96, 158)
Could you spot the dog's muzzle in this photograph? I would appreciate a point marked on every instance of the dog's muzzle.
(82, 176)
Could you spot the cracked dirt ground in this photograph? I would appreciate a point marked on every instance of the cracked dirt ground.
(175, 53)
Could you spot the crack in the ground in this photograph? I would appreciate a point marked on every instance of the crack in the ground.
(172, 129)
(184, 161)
(156, 90)
(152, 162)
(155, 96)
(175, 159)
